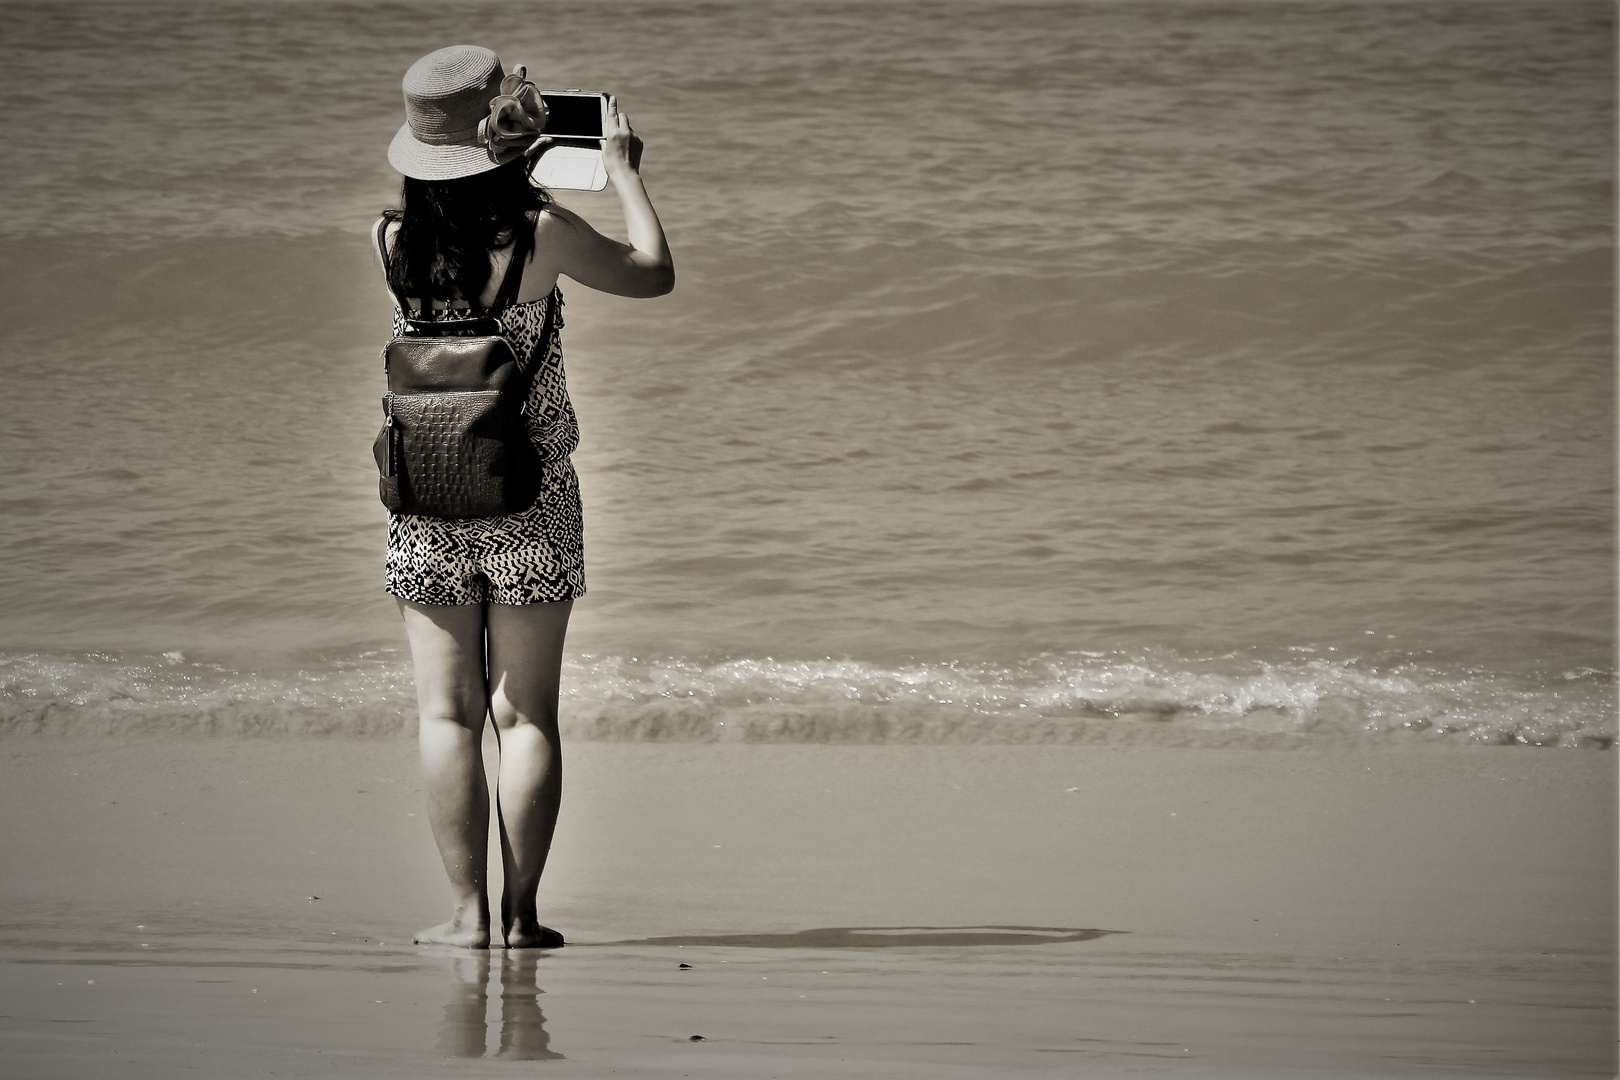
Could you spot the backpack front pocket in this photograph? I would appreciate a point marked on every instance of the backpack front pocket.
(451, 452)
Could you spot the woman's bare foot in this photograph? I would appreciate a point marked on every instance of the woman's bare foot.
(467, 930)
(529, 934)
(520, 924)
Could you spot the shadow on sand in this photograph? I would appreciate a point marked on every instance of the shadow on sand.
(884, 937)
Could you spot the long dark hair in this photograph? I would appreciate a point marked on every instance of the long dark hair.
(447, 228)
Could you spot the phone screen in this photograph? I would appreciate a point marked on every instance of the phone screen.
(573, 116)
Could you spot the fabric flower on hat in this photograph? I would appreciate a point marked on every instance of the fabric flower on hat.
(516, 115)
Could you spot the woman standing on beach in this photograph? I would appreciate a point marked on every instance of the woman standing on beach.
(486, 600)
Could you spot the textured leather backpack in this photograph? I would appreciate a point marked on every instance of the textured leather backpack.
(454, 443)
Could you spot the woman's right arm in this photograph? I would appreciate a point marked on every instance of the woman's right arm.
(642, 267)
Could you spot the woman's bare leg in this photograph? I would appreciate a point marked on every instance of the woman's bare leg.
(525, 667)
(447, 648)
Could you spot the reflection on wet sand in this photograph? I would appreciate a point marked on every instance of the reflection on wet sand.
(464, 1030)
(461, 1032)
(878, 937)
(523, 1025)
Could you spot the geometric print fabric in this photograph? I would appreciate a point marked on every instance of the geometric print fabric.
(536, 555)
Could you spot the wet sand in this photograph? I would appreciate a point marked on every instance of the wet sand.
(845, 911)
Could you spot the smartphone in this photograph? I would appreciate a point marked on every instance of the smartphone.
(575, 114)
(577, 120)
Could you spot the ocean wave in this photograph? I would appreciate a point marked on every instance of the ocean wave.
(1090, 698)
(877, 303)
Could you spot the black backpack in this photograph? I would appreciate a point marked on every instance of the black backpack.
(454, 443)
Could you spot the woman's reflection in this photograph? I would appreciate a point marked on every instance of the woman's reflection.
(523, 1025)
(464, 1031)
(461, 1032)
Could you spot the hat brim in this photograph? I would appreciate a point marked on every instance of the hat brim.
(429, 161)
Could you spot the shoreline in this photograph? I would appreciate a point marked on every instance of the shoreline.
(1116, 699)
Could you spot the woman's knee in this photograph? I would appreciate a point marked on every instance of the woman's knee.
(525, 664)
(540, 714)
(462, 710)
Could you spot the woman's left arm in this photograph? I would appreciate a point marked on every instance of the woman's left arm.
(643, 267)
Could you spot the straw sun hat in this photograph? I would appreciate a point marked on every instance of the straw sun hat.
(464, 116)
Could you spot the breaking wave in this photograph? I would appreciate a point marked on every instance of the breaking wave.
(1091, 698)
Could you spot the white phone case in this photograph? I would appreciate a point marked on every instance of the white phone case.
(576, 167)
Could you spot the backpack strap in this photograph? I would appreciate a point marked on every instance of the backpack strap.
(506, 296)
(379, 231)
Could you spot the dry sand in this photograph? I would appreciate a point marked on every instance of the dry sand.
(1401, 913)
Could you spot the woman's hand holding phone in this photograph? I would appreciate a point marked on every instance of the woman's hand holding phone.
(621, 149)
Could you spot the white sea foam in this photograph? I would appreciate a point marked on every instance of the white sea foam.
(1076, 698)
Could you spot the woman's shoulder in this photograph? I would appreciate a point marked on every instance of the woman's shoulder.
(561, 238)
(556, 233)
(553, 218)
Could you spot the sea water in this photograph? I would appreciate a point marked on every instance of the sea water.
(1176, 372)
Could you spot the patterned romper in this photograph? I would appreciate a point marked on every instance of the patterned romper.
(524, 558)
